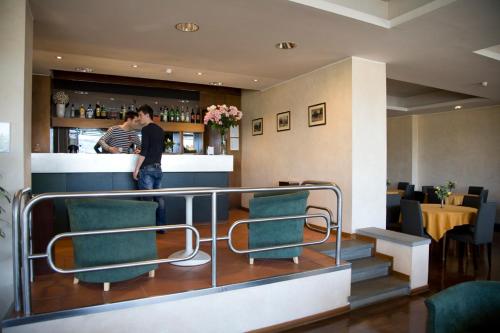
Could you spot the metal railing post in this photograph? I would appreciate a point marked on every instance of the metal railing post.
(338, 256)
(214, 239)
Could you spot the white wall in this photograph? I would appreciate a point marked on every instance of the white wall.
(16, 38)
(463, 146)
(354, 93)
(399, 153)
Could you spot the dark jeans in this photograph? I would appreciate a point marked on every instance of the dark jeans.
(150, 179)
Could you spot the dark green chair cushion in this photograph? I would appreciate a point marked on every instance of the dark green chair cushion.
(265, 234)
(101, 214)
(467, 307)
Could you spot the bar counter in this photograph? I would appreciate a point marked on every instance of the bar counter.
(106, 172)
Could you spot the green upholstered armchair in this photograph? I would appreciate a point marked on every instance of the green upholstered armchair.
(263, 234)
(467, 307)
(97, 250)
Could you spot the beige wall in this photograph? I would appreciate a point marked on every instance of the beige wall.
(320, 152)
(463, 146)
(16, 38)
(399, 152)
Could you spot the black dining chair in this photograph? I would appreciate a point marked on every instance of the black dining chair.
(403, 185)
(408, 195)
(484, 196)
(393, 211)
(432, 197)
(475, 190)
(481, 233)
(426, 188)
(413, 222)
(419, 196)
(471, 201)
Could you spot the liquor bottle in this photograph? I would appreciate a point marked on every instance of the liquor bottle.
(171, 115)
(82, 111)
(164, 118)
(123, 112)
(104, 112)
(193, 117)
(97, 110)
(198, 116)
(177, 114)
(90, 112)
(72, 112)
(183, 115)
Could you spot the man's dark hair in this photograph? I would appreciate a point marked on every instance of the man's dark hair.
(130, 115)
(146, 109)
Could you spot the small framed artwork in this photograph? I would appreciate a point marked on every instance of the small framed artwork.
(317, 114)
(257, 126)
(283, 121)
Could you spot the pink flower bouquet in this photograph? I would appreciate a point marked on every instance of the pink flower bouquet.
(221, 117)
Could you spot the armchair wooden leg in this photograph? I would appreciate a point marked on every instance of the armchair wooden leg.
(106, 286)
(251, 261)
(75, 280)
(152, 273)
(296, 260)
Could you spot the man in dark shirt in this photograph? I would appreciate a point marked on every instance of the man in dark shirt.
(148, 167)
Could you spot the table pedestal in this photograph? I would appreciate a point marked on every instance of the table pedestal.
(201, 257)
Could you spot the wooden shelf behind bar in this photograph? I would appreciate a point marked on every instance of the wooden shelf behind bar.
(106, 123)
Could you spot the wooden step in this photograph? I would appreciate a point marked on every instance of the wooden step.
(350, 249)
(369, 268)
(377, 290)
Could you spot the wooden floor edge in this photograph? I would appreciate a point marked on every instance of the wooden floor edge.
(304, 321)
(419, 290)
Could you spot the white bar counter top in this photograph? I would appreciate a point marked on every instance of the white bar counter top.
(88, 163)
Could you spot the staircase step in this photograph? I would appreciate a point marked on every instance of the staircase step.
(350, 249)
(376, 290)
(369, 268)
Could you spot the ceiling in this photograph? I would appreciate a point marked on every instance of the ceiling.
(431, 46)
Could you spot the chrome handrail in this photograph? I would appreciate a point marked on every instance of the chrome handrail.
(328, 226)
(280, 218)
(27, 256)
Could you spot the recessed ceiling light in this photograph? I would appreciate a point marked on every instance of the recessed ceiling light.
(168, 71)
(58, 57)
(111, 98)
(286, 45)
(216, 83)
(80, 92)
(484, 83)
(458, 107)
(255, 80)
(135, 65)
(187, 27)
(84, 69)
(199, 73)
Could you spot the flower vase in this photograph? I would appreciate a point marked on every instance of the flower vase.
(60, 110)
(223, 143)
(442, 203)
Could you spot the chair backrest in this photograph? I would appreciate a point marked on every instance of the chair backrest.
(426, 188)
(412, 218)
(478, 301)
(403, 185)
(471, 201)
(410, 189)
(393, 209)
(484, 196)
(485, 223)
(432, 196)
(419, 196)
(475, 190)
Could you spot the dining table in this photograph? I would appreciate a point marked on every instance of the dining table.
(457, 198)
(438, 220)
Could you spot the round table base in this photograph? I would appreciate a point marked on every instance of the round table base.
(200, 258)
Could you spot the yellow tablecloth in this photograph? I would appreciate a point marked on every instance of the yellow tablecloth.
(400, 192)
(457, 198)
(438, 220)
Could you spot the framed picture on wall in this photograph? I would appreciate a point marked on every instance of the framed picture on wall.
(283, 121)
(257, 126)
(317, 114)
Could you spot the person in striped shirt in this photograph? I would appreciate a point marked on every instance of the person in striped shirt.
(119, 138)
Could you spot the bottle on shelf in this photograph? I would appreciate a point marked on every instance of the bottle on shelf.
(164, 117)
(183, 115)
(82, 111)
(177, 114)
(123, 112)
(193, 117)
(72, 112)
(198, 116)
(90, 112)
(97, 110)
(104, 112)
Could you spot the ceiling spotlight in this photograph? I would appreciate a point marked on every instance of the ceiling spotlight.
(255, 80)
(187, 27)
(286, 45)
(199, 73)
(458, 107)
(216, 83)
(484, 83)
(84, 69)
(58, 57)
(135, 65)
(168, 71)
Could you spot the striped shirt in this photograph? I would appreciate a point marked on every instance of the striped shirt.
(119, 138)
